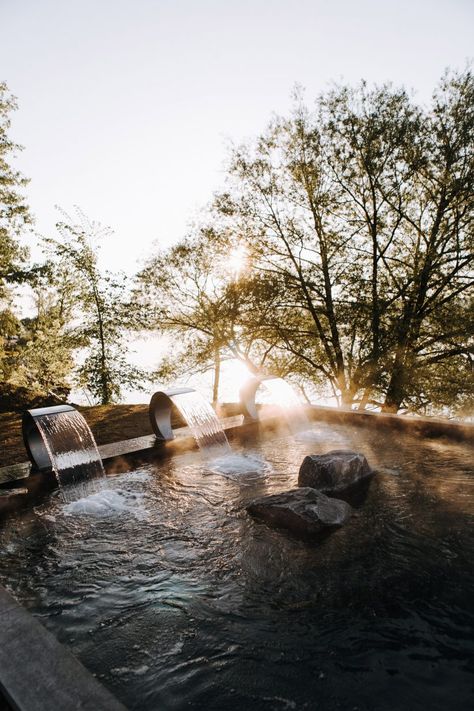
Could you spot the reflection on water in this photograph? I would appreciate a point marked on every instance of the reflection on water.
(178, 599)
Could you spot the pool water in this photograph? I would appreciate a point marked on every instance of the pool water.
(175, 598)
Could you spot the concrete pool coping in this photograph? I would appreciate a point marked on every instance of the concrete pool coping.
(37, 673)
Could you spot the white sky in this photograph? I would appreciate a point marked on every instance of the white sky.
(126, 106)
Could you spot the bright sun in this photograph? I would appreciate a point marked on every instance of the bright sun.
(237, 260)
(235, 374)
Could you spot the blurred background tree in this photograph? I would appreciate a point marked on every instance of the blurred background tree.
(14, 219)
(100, 309)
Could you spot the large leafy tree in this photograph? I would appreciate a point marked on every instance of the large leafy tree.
(101, 309)
(362, 210)
(14, 218)
(14, 211)
(202, 293)
(184, 291)
(297, 213)
(357, 222)
(432, 327)
(205, 295)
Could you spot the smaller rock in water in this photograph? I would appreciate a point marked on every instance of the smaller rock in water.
(304, 511)
(333, 472)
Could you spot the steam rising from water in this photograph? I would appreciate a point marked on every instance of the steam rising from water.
(323, 434)
(283, 395)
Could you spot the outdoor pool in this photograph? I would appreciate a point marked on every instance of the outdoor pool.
(174, 597)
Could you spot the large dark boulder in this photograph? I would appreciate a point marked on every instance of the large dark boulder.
(334, 472)
(304, 511)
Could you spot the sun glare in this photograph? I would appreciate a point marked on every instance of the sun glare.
(235, 374)
(277, 391)
(237, 260)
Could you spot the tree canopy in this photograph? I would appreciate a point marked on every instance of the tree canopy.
(339, 253)
(356, 218)
(101, 309)
(14, 211)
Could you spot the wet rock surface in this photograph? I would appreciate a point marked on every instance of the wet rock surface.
(334, 472)
(303, 511)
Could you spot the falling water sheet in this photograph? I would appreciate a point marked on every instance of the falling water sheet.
(73, 452)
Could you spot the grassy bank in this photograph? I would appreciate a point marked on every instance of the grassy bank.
(109, 423)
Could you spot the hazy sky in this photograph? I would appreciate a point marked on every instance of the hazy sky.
(126, 106)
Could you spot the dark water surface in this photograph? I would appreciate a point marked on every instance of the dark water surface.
(175, 598)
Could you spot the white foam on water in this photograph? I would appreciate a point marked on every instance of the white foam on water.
(243, 468)
(108, 503)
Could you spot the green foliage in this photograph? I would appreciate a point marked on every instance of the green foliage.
(357, 220)
(14, 212)
(183, 291)
(38, 350)
(10, 329)
(14, 217)
(354, 225)
(99, 306)
(362, 211)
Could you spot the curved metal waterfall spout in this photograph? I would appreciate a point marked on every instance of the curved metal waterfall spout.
(59, 439)
(197, 413)
(159, 410)
(283, 395)
(33, 439)
(247, 397)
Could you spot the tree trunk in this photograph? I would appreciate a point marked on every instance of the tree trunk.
(217, 374)
(347, 397)
(365, 398)
(396, 389)
(104, 380)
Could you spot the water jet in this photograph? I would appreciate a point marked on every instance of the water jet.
(59, 439)
(196, 412)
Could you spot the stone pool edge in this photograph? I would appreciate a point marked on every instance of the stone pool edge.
(37, 673)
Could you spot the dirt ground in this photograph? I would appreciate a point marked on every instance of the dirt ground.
(109, 423)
